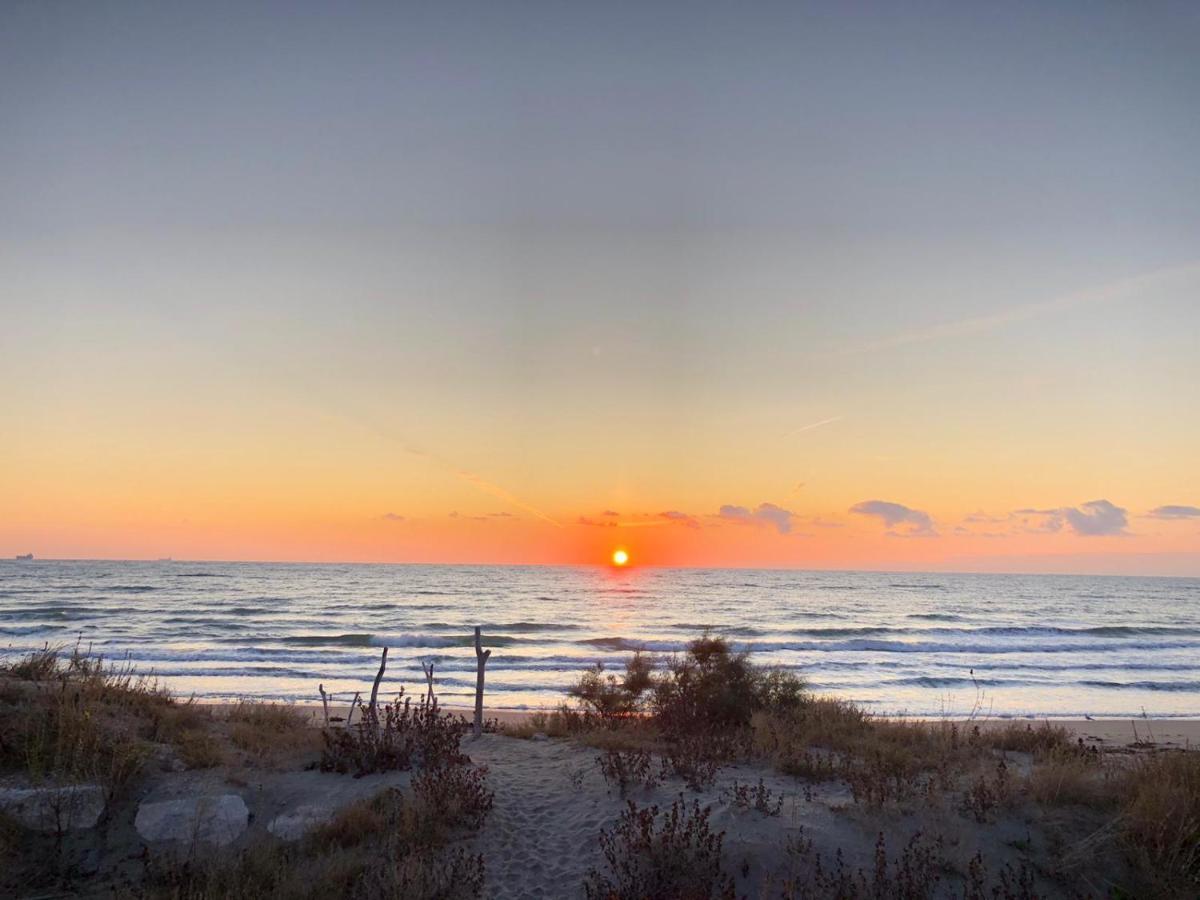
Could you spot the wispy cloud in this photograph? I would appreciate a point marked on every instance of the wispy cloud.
(1118, 291)
(680, 518)
(813, 426)
(392, 517)
(1174, 511)
(893, 514)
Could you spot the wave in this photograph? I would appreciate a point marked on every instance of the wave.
(885, 646)
(1187, 686)
(20, 630)
(364, 639)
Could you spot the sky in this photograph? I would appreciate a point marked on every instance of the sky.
(898, 286)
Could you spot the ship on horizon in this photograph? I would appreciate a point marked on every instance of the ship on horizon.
(25, 556)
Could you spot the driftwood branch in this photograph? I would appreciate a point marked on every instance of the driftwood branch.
(481, 658)
(353, 706)
(378, 678)
(324, 702)
(427, 668)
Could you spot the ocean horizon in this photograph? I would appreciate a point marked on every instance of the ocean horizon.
(898, 643)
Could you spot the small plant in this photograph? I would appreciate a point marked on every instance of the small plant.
(624, 768)
(677, 857)
(695, 760)
(985, 794)
(913, 875)
(760, 798)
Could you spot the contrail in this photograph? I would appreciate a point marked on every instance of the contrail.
(1123, 290)
(500, 493)
(814, 425)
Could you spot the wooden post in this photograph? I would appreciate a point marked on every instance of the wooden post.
(378, 678)
(481, 658)
(353, 706)
(324, 702)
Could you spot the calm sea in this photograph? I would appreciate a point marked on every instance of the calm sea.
(899, 643)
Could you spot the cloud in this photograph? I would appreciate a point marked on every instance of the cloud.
(610, 512)
(392, 517)
(680, 518)
(826, 523)
(764, 514)
(1173, 511)
(501, 515)
(593, 523)
(893, 514)
(1096, 517)
(979, 517)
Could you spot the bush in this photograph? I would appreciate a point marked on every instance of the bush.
(712, 690)
(677, 858)
(611, 699)
(403, 736)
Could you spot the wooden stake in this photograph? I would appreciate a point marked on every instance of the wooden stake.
(378, 678)
(324, 702)
(353, 706)
(481, 658)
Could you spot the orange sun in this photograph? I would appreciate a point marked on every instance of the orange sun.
(620, 557)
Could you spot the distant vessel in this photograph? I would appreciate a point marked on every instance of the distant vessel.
(26, 556)
(165, 559)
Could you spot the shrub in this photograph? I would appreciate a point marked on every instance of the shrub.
(611, 699)
(675, 858)
(712, 690)
(403, 736)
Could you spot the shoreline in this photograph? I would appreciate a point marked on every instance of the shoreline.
(1111, 733)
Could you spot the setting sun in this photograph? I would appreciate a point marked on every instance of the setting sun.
(620, 557)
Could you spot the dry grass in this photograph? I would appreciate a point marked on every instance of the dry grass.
(556, 724)
(1160, 819)
(75, 719)
(270, 732)
(396, 845)
(1065, 778)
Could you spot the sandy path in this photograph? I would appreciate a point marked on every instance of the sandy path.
(540, 838)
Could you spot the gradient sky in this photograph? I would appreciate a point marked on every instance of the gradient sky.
(894, 286)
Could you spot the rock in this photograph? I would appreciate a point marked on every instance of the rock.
(53, 808)
(218, 819)
(294, 825)
(539, 736)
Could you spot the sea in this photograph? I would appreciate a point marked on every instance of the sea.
(897, 643)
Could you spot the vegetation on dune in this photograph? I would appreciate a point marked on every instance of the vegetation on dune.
(395, 737)
(396, 845)
(711, 706)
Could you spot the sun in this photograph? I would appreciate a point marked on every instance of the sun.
(620, 558)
